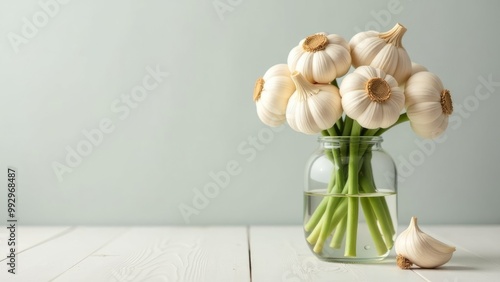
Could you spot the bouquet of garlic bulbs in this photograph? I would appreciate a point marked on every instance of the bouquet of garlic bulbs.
(384, 89)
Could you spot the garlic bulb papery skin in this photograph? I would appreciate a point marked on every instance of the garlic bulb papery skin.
(414, 69)
(372, 97)
(320, 57)
(382, 50)
(312, 107)
(417, 68)
(428, 104)
(271, 94)
(416, 247)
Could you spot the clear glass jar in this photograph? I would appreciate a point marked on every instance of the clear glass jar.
(350, 200)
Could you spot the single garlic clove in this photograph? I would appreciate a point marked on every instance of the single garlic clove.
(416, 247)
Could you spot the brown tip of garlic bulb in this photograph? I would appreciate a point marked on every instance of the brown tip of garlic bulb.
(394, 36)
(378, 90)
(446, 103)
(403, 262)
(315, 42)
(259, 85)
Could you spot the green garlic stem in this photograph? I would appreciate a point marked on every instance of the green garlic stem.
(338, 236)
(352, 202)
(371, 221)
(348, 122)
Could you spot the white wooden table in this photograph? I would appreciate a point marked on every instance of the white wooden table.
(255, 253)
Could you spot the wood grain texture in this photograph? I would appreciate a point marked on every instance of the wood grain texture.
(278, 253)
(30, 236)
(169, 254)
(45, 261)
(281, 254)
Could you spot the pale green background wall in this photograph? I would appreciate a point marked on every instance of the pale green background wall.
(72, 67)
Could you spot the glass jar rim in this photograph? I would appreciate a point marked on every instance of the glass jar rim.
(350, 139)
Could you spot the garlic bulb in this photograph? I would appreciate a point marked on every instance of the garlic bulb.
(428, 104)
(312, 107)
(382, 50)
(415, 247)
(271, 94)
(371, 97)
(320, 57)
